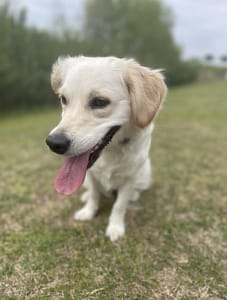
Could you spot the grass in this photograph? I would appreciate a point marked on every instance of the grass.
(176, 245)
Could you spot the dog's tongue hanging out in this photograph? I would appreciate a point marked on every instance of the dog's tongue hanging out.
(72, 174)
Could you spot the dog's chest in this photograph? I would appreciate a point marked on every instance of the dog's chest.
(121, 161)
(113, 168)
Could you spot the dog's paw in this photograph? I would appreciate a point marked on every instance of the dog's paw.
(84, 214)
(115, 231)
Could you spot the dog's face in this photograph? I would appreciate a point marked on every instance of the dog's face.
(98, 96)
(94, 100)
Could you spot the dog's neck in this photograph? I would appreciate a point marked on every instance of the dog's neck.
(128, 134)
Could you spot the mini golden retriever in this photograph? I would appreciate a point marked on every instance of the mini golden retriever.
(108, 108)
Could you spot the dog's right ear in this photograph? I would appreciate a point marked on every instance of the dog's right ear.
(58, 72)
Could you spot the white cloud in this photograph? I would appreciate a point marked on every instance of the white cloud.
(43, 13)
(200, 26)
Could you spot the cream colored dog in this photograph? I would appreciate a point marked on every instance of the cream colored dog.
(108, 105)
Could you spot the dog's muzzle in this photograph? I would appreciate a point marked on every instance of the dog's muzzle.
(58, 143)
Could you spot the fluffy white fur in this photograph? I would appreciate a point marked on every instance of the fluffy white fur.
(136, 94)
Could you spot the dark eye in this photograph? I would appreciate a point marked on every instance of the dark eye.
(98, 102)
(63, 100)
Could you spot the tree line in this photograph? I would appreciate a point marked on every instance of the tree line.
(129, 28)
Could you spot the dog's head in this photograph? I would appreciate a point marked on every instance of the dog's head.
(98, 96)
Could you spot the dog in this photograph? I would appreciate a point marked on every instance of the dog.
(108, 108)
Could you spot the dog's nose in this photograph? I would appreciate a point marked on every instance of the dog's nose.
(58, 143)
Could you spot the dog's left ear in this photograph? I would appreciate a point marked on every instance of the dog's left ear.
(147, 90)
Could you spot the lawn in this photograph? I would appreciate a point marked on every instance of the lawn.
(176, 242)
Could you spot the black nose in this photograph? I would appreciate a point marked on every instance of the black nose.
(58, 143)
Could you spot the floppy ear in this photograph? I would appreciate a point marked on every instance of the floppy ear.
(147, 90)
(58, 72)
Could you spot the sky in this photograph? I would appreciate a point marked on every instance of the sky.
(200, 25)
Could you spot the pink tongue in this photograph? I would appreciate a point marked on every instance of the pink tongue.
(72, 174)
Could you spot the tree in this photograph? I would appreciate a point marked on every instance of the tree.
(133, 28)
(223, 59)
(26, 57)
(137, 28)
(209, 58)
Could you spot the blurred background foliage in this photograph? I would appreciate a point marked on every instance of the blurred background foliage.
(130, 28)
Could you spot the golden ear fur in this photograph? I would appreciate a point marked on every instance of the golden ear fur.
(147, 90)
(55, 77)
(58, 72)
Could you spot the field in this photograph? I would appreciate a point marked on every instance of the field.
(176, 242)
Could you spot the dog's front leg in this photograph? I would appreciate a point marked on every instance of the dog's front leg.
(116, 226)
(91, 198)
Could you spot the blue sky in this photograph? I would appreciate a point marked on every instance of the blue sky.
(200, 25)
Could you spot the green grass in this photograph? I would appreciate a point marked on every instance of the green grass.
(176, 245)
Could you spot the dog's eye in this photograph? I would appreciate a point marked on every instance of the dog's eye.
(63, 100)
(98, 102)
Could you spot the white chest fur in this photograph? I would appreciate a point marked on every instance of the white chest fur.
(120, 162)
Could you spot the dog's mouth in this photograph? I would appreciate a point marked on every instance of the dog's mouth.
(96, 151)
(73, 171)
